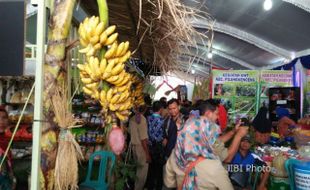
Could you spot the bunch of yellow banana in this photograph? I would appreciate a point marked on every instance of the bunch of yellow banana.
(137, 93)
(110, 68)
(91, 71)
(92, 92)
(116, 100)
(115, 73)
(122, 115)
(93, 35)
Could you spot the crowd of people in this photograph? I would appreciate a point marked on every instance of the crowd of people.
(177, 145)
(182, 146)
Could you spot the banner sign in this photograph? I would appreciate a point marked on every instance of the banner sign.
(282, 78)
(243, 92)
(271, 79)
(234, 76)
(237, 90)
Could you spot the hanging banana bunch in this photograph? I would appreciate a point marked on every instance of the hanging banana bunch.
(104, 77)
(137, 92)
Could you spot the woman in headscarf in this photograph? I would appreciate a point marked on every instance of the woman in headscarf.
(284, 122)
(262, 126)
(196, 162)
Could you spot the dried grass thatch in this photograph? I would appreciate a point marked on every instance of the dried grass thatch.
(170, 29)
(160, 30)
(69, 152)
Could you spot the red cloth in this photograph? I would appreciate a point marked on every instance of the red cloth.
(222, 117)
(4, 142)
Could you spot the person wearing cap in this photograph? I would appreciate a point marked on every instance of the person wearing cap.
(245, 162)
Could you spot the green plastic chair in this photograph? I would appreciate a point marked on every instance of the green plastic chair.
(101, 183)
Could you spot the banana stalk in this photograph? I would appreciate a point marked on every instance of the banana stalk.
(54, 75)
(104, 17)
(103, 12)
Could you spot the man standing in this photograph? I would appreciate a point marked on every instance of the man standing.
(139, 142)
(164, 113)
(172, 125)
(157, 142)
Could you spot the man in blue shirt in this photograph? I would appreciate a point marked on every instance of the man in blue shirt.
(244, 163)
(157, 142)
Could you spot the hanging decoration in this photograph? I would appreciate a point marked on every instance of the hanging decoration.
(103, 74)
(167, 26)
(69, 151)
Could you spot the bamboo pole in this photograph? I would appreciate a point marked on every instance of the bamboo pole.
(37, 125)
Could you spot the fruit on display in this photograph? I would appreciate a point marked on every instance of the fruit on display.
(301, 136)
(304, 121)
(278, 164)
(103, 74)
(137, 93)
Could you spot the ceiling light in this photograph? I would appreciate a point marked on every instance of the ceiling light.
(267, 5)
(293, 55)
(193, 71)
(210, 55)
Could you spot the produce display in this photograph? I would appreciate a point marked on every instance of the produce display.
(301, 136)
(137, 93)
(90, 136)
(304, 121)
(103, 74)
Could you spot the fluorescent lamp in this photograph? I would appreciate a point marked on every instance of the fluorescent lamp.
(267, 5)
(210, 55)
(293, 55)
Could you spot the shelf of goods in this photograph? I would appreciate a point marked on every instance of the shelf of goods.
(91, 135)
(14, 94)
(302, 132)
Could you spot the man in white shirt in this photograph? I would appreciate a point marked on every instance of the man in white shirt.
(139, 141)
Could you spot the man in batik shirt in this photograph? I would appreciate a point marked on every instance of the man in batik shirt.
(157, 143)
